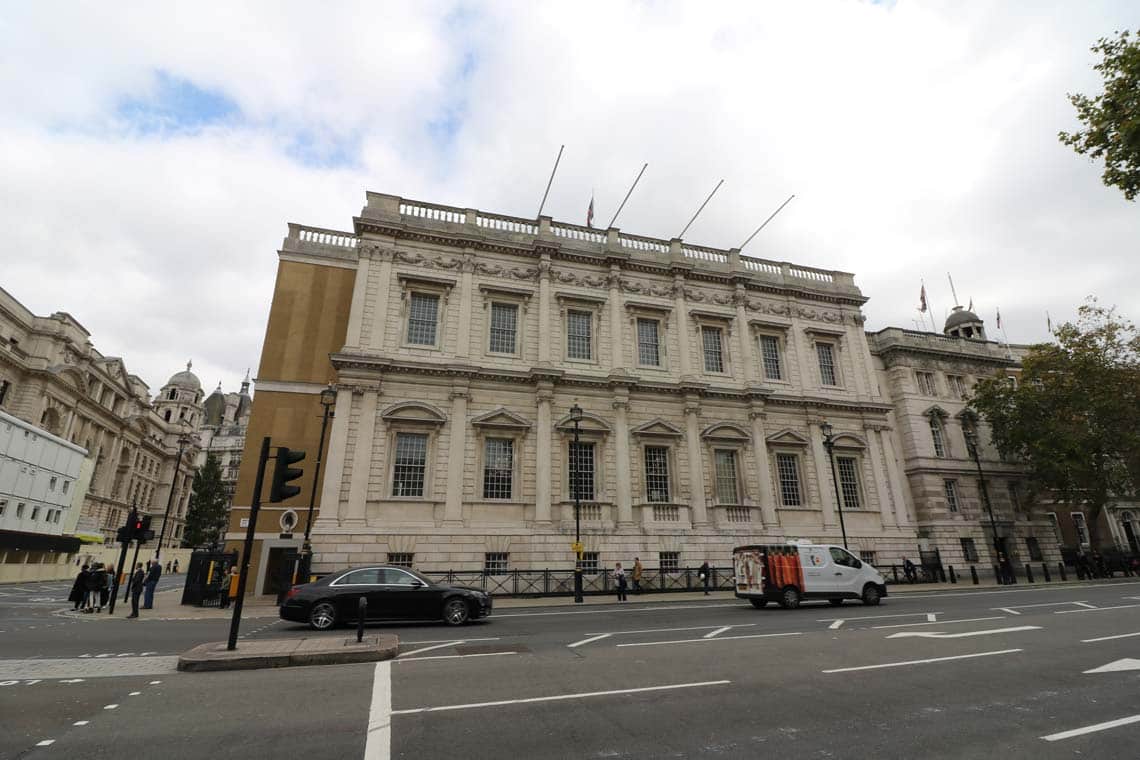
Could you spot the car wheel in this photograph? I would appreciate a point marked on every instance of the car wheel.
(455, 612)
(790, 598)
(759, 603)
(871, 595)
(322, 616)
(835, 602)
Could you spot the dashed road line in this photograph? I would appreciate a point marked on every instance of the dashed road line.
(1092, 729)
(1110, 638)
(714, 634)
(590, 640)
(707, 641)
(922, 662)
(452, 656)
(1098, 609)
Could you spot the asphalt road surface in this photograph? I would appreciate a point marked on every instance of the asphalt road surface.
(1023, 673)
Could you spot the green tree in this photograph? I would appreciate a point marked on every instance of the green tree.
(206, 516)
(1072, 420)
(1112, 119)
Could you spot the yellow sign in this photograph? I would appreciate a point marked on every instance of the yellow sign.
(576, 547)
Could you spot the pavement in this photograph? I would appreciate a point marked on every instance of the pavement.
(1026, 671)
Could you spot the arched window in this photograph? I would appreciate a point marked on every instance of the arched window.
(171, 394)
(936, 436)
(167, 415)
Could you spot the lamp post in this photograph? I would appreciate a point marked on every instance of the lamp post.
(183, 439)
(971, 436)
(829, 444)
(328, 400)
(576, 416)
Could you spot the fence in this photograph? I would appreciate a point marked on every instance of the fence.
(560, 582)
(1028, 572)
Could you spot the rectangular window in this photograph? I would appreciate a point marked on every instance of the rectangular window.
(52, 482)
(496, 563)
(58, 512)
(657, 473)
(867, 556)
(926, 383)
(3, 506)
(726, 483)
(648, 343)
(936, 436)
(848, 481)
(35, 512)
(957, 385)
(1013, 488)
(969, 551)
(713, 350)
(504, 327)
(498, 467)
(1056, 527)
(788, 469)
(950, 487)
(20, 509)
(826, 355)
(4, 386)
(579, 335)
(1082, 528)
(1011, 381)
(590, 562)
(670, 562)
(401, 559)
(1034, 549)
(422, 317)
(411, 463)
(581, 470)
(770, 351)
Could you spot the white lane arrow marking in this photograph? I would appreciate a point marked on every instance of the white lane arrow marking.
(835, 626)
(1113, 667)
(935, 635)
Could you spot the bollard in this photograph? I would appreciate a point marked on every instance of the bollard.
(997, 576)
(953, 576)
(1061, 569)
(1045, 571)
(1028, 573)
(974, 574)
(361, 610)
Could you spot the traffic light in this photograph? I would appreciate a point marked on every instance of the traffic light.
(144, 533)
(283, 473)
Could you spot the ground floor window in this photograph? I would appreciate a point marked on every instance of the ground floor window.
(1034, 548)
(969, 551)
(401, 559)
(670, 562)
(496, 563)
(867, 556)
(589, 562)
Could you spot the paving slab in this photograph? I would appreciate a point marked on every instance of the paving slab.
(284, 653)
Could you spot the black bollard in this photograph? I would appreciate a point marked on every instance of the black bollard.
(1045, 571)
(974, 574)
(1061, 569)
(361, 610)
(953, 576)
(1028, 573)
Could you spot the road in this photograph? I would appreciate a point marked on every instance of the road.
(949, 675)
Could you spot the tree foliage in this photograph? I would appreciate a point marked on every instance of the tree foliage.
(1073, 418)
(206, 516)
(1112, 119)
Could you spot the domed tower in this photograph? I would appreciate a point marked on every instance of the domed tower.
(215, 408)
(963, 323)
(181, 398)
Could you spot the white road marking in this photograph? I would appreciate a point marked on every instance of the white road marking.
(109, 707)
(590, 640)
(455, 656)
(706, 641)
(560, 697)
(45, 743)
(1110, 638)
(922, 662)
(932, 617)
(1115, 667)
(1098, 609)
(1043, 604)
(626, 610)
(443, 641)
(880, 617)
(1092, 729)
(836, 624)
(378, 741)
(134, 693)
(1080, 586)
(944, 622)
(670, 630)
(126, 654)
(81, 723)
(155, 683)
(430, 648)
(965, 634)
(1006, 610)
(713, 634)
(72, 680)
(1086, 605)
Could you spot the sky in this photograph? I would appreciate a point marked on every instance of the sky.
(151, 154)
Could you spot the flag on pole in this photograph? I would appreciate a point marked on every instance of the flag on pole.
(999, 318)
(590, 213)
(922, 299)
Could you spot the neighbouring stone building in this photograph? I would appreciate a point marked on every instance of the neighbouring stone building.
(52, 376)
(459, 340)
(226, 418)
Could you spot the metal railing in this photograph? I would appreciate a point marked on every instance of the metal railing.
(560, 581)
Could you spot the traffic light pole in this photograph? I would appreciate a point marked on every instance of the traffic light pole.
(122, 559)
(247, 548)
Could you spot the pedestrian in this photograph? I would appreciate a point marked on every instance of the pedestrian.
(136, 588)
(152, 576)
(637, 575)
(167, 566)
(176, 566)
(102, 587)
(92, 588)
(619, 581)
(909, 571)
(705, 573)
(79, 587)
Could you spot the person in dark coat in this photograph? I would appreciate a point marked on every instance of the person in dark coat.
(705, 573)
(92, 583)
(152, 576)
(79, 587)
(620, 582)
(102, 585)
(137, 579)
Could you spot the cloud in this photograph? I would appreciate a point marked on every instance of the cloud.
(153, 153)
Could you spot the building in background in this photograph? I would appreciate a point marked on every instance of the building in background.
(226, 418)
(52, 377)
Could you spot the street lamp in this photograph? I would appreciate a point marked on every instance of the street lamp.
(183, 440)
(328, 400)
(829, 444)
(971, 436)
(576, 416)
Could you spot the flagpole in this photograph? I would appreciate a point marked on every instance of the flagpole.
(765, 224)
(549, 182)
(952, 290)
(702, 208)
(626, 198)
(930, 304)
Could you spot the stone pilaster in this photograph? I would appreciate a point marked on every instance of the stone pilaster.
(879, 468)
(744, 334)
(682, 325)
(383, 291)
(617, 344)
(696, 468)
(763, 470)
(463, 347)
(823, 476)
(334, 460)
(456, 450)
(897, 484)
(544, 296)
(359, 296)
(544, 397)
(362, 458)
(622, 457)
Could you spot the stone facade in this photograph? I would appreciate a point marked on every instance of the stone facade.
(224, 425)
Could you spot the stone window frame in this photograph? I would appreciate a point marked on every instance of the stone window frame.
(658, 433)
(663, 316)
(794, 444)
(568, 302)
(969, 549)
(932, 377)
(936, 416)
(723, 322)
(726, 436)
(780, 331)
(518, 297)
(592, 429)
(435, 286)
(500, 423)
(411, 417)
(835, 339)
(1080, 527)
(952, 495)
(850, 446)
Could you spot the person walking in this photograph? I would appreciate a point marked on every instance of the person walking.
(909, 571)
(620, 582)
(176, 566)
(705, 573)
(102, 587)
(92, 588)
(637, 575)
(136, 587)
(152, 576)
(79, 587)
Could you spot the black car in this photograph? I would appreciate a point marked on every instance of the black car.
(392, 593)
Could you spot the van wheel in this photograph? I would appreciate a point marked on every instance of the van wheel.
(871, 595)
(759, 603)
(835, 602)
(790, 598)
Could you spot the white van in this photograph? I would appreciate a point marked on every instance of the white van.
(789, 573)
